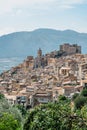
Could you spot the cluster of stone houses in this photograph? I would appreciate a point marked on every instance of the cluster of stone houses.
(44, 78)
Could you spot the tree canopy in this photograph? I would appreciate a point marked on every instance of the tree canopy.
(55, 116)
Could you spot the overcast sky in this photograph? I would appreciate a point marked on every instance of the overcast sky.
(27, 15)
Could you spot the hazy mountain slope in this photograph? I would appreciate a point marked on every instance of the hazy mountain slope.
(27, 43)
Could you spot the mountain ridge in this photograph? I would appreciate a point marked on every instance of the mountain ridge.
(24, 43)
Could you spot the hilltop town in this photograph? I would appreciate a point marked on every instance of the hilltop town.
(43, 78)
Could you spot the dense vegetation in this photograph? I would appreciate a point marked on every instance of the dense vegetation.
(57, 116)
(64, 114)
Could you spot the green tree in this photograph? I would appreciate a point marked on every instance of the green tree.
(62, 98)
(11, 112)
(22, 109)
(84, 92)
(55, 116)
(75, 96)
(48, 117)
(1, 96)
(84, 112)
(80, 101)
(8, 122)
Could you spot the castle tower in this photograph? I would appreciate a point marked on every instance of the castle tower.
(39, 53)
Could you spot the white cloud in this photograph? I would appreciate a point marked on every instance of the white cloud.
(9, 5)
(67, 4)
(70, 2)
